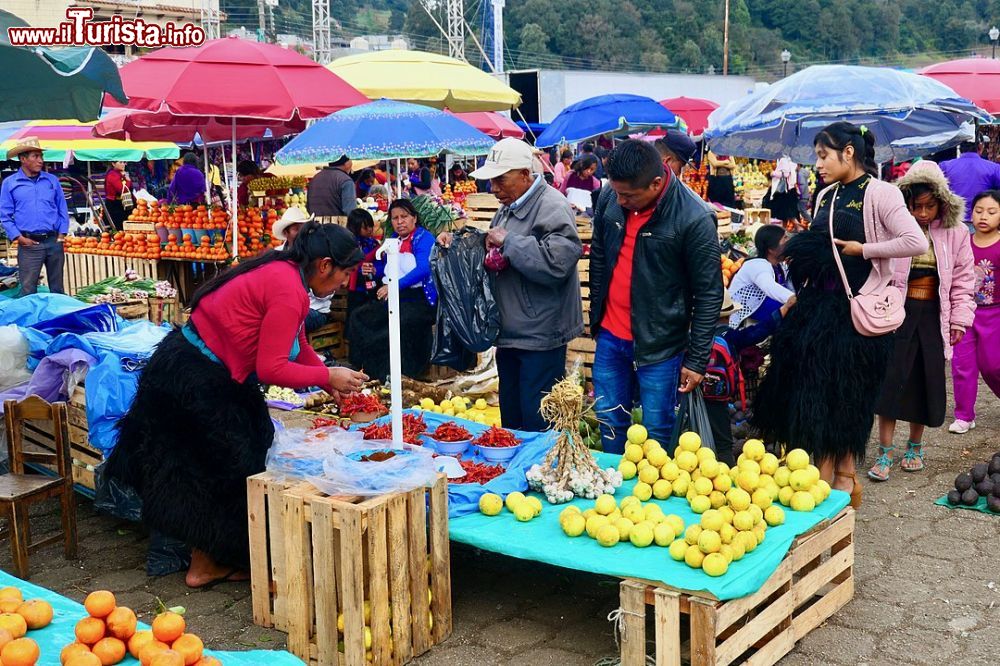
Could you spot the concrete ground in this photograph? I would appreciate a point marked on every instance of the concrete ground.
(928, 585)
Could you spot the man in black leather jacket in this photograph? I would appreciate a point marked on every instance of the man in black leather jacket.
(656, 289)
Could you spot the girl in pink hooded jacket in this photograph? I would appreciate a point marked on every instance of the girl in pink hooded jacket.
(939, 308)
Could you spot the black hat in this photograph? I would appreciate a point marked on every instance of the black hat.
(341, 161)
(680, 144)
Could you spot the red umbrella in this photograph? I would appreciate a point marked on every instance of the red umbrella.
(694, 111)
(133, 125)
(976, 79)
(234, 77)
(491, 123)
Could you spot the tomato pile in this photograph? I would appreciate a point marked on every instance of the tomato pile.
(361, 403)
(413, 428)
(497, 438)
(451, 432)
(478, 472)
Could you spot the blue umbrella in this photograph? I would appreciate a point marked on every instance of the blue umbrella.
(382, 130)
(909, 114)
(603, 114)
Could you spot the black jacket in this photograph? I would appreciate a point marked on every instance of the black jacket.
(676, 276)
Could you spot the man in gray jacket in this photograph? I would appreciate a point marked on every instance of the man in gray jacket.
(534, 245)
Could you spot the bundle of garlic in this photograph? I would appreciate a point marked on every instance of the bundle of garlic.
(569, 469)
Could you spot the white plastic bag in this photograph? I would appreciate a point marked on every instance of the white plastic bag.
(346, 472)
(13, 357)
(299, 453)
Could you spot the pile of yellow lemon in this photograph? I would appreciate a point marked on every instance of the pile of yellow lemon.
(610, 523)
(463, 408)
(523, 507)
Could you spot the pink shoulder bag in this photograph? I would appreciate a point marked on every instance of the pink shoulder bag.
(873, 314)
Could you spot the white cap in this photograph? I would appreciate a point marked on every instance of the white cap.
(507, 154)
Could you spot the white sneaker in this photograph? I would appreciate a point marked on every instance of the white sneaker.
(960, 427)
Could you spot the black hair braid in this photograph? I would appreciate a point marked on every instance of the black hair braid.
(868, 155)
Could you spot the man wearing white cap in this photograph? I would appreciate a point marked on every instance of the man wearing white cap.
(34, 216)
(534, 248)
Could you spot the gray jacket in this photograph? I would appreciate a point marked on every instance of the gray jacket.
(539, 294)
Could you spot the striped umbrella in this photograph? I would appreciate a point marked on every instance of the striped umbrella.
(61, 139)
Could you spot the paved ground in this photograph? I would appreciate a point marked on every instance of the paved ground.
(928, 584)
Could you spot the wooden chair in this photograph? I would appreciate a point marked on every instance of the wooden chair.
(18, 490)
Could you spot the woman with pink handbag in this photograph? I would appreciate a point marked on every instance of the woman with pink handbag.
(830, 355)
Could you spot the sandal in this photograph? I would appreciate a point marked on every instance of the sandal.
(857, 491)
(913, 459)
(880, 470)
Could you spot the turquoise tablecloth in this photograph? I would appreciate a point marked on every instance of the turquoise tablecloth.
(543, 540)
(67, 613)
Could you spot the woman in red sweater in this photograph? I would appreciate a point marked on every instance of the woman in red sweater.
(199, 425)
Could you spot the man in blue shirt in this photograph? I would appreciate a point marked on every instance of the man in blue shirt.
(34, 216)
(969, 174)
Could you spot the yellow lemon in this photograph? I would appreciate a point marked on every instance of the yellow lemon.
(748, 480)
(727, 514)
(825, 487)
(588, 513)
(662, 489)
(781, 476)
(627, 468)
(749, 465)
(680, 486)
(712, 520)
(757, 513)
(689, 441)
(594, 523)
(513, 499)
(703, 486)
(657, 457)
(762, 498)
(605, 504)
(634, 513)
(636, 434)
(663, 534)
(670, 471)
(676, 523)
(633, 453)
(769, 464)
(727, 533)
(524, 512)
(722, 483)
(701, 504)
(627, 501)
(704, 453)
(754, 449)
(649, 474)
(642, 535)
(717, 499)
(574, 525)
(813, 472)
(678, 549)
(687, 461)
(691, 534)
(727, 552)
(426, 403)
(709, 541)
(799, 480)
(785, 495)
(490, 504)
(743, 520)
(535, 504)
(739, 499)
(607, 535)
(643, 491)
(694, 557)
(481, 404)
(803, 501)
(817, 494)
(709, 468)
(624, 526)
(797, 459)
(715, 564)
(773, 516)
(738, 548)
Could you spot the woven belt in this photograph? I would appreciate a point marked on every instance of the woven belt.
(922, 288)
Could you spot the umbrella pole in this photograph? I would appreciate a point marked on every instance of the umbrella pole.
(399, 181)
(232, 197)
(208, 177)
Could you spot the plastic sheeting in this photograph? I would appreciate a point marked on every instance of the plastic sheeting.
(66, 613)
(13, 357)
(542, 540)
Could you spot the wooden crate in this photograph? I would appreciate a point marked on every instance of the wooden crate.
(330, 338)
(164, 310)
(86, 269)
(38, 437)
(814, 581)
(315, 557)
(480, 209)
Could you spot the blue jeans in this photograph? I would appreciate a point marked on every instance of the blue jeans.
(614, 378)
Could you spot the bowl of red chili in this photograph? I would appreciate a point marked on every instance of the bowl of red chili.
(450, 439)
(497, 445)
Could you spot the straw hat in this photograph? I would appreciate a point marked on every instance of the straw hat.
(292, 215)
(729, 306)
(24, 145)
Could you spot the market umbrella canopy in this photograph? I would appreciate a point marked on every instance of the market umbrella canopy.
(60, 139)
(426, 78)
(692, 110)
(977, 79)
(53, 82)
(233, 77)
(384, 129)
(491, 123)
(602, 115)
(145, 126)
(910, 114)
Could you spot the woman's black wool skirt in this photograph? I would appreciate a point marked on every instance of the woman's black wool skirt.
(914, 388)
(368, 335)
(187, 445)
(820, 391)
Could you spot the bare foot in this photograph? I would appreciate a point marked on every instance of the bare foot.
(205, 570)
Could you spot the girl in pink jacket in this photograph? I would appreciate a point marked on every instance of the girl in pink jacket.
(822, 386)
(939, 308)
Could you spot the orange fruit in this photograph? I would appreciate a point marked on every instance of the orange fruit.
(168, 627)
(110, 651)
(5, 637)
(99, 603)
(138, 641)
(121, 623)
(167, 658)
(20, 652)
(13, 623)
(208, 661)
(72, 650)
(89, 630)
(150, 650)
(78, 658)
(9, 605)
(190, 647)
(11, 593)
(36, 613)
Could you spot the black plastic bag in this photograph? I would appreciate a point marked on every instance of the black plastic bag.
(693, 416)
(115, 498)
(467, 311)
(448, 349)
(166, 555)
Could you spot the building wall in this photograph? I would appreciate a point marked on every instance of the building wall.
(559, 89)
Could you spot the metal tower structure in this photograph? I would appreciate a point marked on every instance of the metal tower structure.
(497, 36)
(456, 29)
(211, 17)
(322, 43)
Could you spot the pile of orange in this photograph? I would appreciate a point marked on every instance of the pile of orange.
(110, 631)
(729, 268)
(17, 617)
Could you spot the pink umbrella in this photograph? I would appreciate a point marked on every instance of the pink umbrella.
(491, 123)
(976, 79)
(134, 125)
(231, 81)
(694, 111)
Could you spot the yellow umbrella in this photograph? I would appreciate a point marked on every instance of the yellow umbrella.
(425, 78)
(309, 170)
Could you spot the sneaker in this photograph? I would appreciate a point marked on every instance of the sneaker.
(960, 427)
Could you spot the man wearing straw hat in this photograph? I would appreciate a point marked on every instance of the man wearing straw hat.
(34, 216)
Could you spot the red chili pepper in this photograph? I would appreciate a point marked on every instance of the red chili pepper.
(497, 438)
(478, 472)
(451, 432)
(413, 427)
(324, 422)
(363, 403)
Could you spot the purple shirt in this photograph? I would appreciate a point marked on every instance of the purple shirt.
(969, 174)
(188, 186)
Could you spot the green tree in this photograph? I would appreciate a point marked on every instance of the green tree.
(532, 43)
